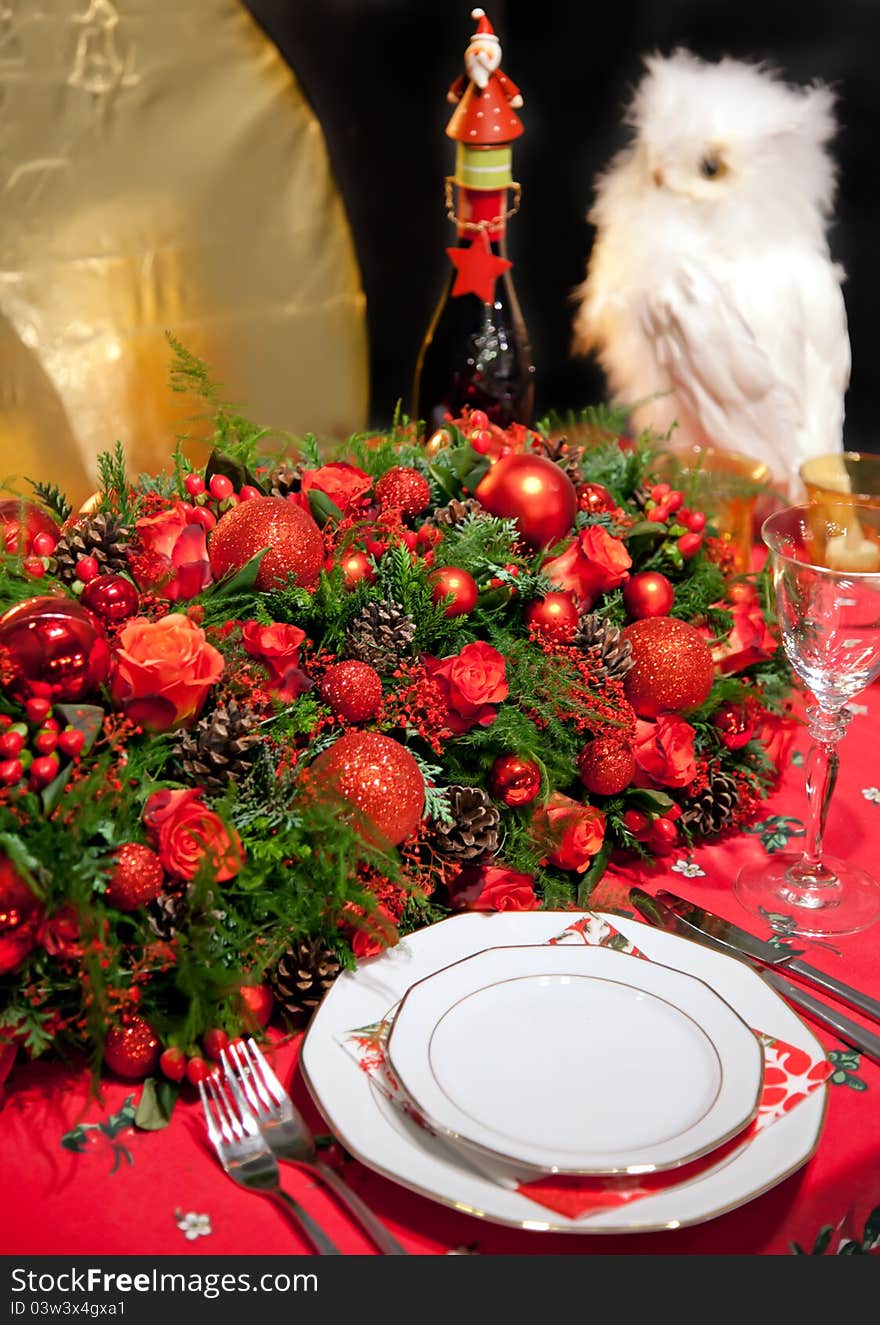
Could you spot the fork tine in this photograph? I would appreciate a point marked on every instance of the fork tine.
(264, 1071)
(233, 1071)
(213, 1132)
(230, 1126)
(246, 1119)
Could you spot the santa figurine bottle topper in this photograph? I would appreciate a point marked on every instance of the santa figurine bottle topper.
(476, 352)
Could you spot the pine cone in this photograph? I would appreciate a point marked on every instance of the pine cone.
(303, 976)
(563, 452)
(473, 833)
(220, 749)
(714, 808)
(283, 479)
(457, 511)
(169, 912)
(604, 641)
(381, 634)
(103, 537)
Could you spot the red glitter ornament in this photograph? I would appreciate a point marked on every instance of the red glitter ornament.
(606, 766)
(735, 725)
(594, 499)
(21, 522)
(460, 584)
(672, 666)
(403, 489)
(295, 545)
(137, 877)
(514, 780)
(353, 690)
(111, 597)
(648, 594)
(132, 1049)
(56, 648)
(380, 778)
(533, 491)
(555, 616)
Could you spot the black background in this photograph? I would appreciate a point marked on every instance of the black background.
(377, 72)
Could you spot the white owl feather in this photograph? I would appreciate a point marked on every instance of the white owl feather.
(710, 286)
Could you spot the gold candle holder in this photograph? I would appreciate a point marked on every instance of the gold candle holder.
(724, 484)
(834, 485)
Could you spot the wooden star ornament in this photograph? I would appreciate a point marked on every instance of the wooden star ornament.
(477, 268)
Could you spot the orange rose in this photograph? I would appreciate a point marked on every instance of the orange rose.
(471, 683)
(163, 671)
(664, 752)
(185, 833)
(570, 833)
(592, 562)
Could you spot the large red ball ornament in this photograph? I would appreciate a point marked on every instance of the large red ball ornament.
(533, 491)
(606, 766)
(21, 521)
(403, 489)
(55, 647)
(555, 617)
(672, 666)
(460, 584)
(353, 690)
(648, 594)
(380, 778)
(514, 780)
(111, 597)
(132, 1049)
(295, 545)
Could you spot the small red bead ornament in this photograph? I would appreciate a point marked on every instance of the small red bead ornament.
(294, 542)
(672, 666)
(404, 489)
(460, 584)
(606, 766)
(735, 725)
(356, 566)
(648, 594)
(594, 499)
(555, 616)
(353, 690)
(257, 1002)
(136, 879)
(132, 1049)
(380, 778)
(56, 649)
(514, 780)
(533, 491)
(111, 597)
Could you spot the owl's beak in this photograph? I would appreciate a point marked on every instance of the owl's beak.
(658, 177)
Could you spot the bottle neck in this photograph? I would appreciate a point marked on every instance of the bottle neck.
(487, 206)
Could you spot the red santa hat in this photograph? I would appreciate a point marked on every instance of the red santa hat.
(485, 31)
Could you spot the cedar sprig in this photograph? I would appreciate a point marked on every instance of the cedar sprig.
(51, 496)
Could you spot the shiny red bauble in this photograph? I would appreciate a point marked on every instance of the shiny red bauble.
(606, 766)
(648, 593)
(555, 617)
(356, 567)
(21, 916)
(136, 877)
(460, 584)
(533, 491)
(380, 778)
(257, 1002)
(20, 523)
(735, 725)
(132, 1049)
(403, 489)
(672, 666)
(514, 780)
(296, 548)
(594, 499)
(353, 690)
(55, 647)
(111, 597)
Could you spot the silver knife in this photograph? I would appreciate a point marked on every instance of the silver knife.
(657, 913)
(739, 942)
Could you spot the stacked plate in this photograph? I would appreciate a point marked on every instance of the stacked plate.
(515, 1062)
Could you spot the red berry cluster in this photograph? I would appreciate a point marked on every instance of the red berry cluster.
(35, 747)
(658, 832)
(665, 502)
(38, 561)
(212, 499)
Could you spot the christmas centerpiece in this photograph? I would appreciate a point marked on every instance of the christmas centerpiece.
(259, 720)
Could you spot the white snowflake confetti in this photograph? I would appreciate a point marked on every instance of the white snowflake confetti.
(192, 1225)
(689, 868)
(858, 710)
(872, 794)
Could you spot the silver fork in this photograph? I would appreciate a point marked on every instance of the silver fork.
(248, 1160)
(288, 1134)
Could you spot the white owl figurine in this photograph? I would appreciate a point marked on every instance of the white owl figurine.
(710, 288)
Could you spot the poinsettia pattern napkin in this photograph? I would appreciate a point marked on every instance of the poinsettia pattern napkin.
(790, 1074)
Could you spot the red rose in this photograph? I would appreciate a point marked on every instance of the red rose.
(471, 682)
(776, 734)
(163, 670)
(21, 914)
(496, 888)
(664, 752)
(277, 647)
(176, 565)
(61, 935)
(345, 485)
(374, 931)
(185, 832)
(750, 639)
(593, 562)
(569, 832)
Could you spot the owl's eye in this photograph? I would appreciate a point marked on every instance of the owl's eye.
(712, 167)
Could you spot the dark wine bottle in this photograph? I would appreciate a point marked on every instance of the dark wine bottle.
(476, 351)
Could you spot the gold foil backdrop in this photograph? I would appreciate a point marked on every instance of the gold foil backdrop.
(161, 169)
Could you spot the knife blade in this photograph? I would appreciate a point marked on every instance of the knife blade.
(661, 916)
(739, 942)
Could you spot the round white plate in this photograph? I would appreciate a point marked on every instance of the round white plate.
(381, 1136)
(639, 1066)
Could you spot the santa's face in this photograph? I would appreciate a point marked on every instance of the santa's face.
(481, 59)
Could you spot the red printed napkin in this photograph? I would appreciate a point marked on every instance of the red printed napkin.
(790, 1074)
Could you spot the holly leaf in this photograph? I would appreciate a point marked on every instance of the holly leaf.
(644, 528)
(75, 1140)
(85, 718)
(237, 473)
(646, 798)
(51, 794)
(591, 877)
(241, 580)
(322, 507)
(156, 1104)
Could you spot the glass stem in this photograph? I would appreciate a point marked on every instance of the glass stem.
(823, 761)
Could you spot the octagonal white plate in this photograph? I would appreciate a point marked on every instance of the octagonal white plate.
(640, 1067)
(381, 1136)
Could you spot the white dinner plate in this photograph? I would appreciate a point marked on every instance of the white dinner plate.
(643, 1067)
(381, 1135)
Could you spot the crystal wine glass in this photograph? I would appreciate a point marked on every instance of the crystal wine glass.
(826, 574)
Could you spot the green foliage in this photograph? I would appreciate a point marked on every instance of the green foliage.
(51, 496)
(116, 496)
(233, 434)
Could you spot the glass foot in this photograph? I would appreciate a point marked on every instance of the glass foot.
(845, 900)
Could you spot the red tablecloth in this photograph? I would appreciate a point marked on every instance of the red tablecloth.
(122, 1190)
